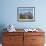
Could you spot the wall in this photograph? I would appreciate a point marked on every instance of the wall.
(8, 13)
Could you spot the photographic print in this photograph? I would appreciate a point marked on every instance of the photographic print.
(26, 14)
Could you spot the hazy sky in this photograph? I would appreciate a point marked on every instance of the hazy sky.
(23, 10)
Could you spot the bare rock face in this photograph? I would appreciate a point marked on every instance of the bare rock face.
(27, 15)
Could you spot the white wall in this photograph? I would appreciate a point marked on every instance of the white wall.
(8, 13)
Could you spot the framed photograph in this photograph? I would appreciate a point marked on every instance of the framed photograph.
(26, 14)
